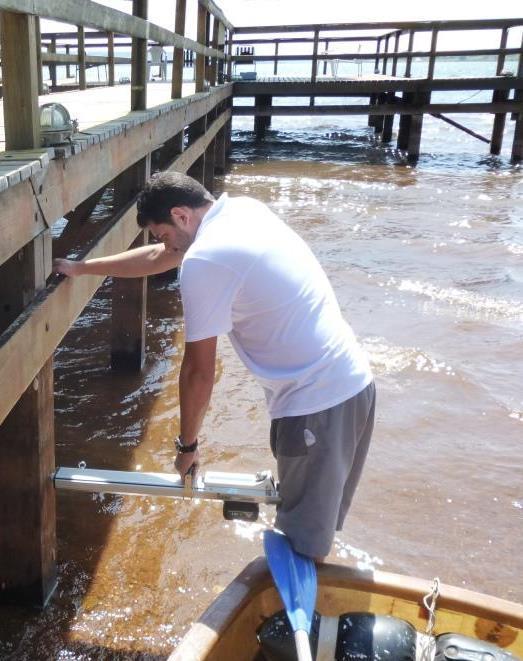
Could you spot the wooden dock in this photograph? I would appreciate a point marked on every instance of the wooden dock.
(125, 133)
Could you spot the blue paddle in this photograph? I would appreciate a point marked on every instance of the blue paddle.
(295, 577)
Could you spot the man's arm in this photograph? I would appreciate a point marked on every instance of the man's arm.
(196, 384)
(135, 263)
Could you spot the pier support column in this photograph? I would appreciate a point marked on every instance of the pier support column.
(388, 121)
(139, 62)
(129, 294)
(27, 503)
(404, 125)
(220, 152)
(261, 122)
(517, 145)
(498, 128)
(379, 119)
(177, 70)
(210, 156)
(416, 126)
(372, 102)
(197, 169)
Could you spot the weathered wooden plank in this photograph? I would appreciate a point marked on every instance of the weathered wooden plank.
(20, 81)
(129, 295)
(201, 32)
(419, 26)
(139, 62)
(381, 109)
(367, 86)
(63, 58)
(65, 184)
(177, 70)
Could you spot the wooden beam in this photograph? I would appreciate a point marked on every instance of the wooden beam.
(39, 56)
(129, 295)
(201, 31)
(408, 65)
(498, 127)
(177, 71)
(20, 81)
(27, 208)
(139, 62)
(419, 26)
(110, 58)
(82, 79)
(432, 56)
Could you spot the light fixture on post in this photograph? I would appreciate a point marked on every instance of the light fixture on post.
(56, 125)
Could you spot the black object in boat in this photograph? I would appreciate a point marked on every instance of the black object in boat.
(361, 637)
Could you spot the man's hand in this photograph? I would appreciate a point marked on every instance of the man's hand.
(185, 461)
(67, 267)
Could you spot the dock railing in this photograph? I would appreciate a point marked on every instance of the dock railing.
(386, 45)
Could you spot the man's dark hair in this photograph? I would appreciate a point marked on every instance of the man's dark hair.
(166, 190)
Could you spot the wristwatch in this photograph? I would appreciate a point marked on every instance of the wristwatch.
(185, 449)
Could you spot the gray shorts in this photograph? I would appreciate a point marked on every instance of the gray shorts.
(320, 458)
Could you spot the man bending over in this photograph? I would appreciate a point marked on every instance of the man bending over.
(244, 272)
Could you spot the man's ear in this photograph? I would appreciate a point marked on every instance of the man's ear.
(179, 215)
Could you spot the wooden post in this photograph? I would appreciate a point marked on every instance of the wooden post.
(210, 157)
(27, 504)
(408, 66)
(220, 155)
(395, 56)
(201, 37)
(379, 119)
(416, 126)
(52, 67)
(498, 128)
(221, 48)
(197, 129)
(207, 42)
(388, 120)
(325, 61)
(276, 51)
(373, 99)
(230, 34)
(177, 74)
(20, 81)
(385, 59)
(129, 294)
(139, 62)
(213, 69)
(261, 101)
(314, 72)
(432, 58)
(404, 125)
(82, 79)
(501, 57)
(39, 56)
(517, 145)
(110, 58)
(377, 60)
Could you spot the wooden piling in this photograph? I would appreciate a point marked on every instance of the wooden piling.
(388, 120)
(139, 62)
(404, 125)
(39, 56)
(261, 102)
(129, 295)
(199, 67)
(379, 119)
(197, 130)
(27, 514)
(498, 128)
(416, 125)
(52, 67)
(373, 99)
(517, 144)
(110, 57)
(82, 78)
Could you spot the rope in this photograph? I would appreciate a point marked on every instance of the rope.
(429, 601)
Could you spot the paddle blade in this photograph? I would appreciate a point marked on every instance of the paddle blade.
(295, 577)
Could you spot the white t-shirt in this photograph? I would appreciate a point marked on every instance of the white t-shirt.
(251, 276)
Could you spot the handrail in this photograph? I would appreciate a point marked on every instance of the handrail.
(92, 14)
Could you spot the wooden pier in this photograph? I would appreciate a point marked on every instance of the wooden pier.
(127, 131)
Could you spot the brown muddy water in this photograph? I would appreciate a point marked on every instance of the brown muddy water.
(426, 263)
